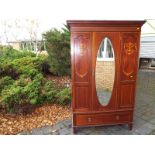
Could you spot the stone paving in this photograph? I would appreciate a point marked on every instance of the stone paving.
(144, 116)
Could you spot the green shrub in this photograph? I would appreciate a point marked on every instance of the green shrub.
(64, 96)
(10, 96)
(27, 65)
(33, 89)
(58, 48)
(5, 82)
(22, 81)
(48, 92)
(10, 53)
(27, 91)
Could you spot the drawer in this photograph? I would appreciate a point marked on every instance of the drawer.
(99, 119)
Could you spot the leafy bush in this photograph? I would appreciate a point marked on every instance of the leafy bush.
(22, 81)
(7, 52)
(27, 91)
(5, 82)
(64, 96)
(48, 92)
(26, 65)
(10, 96)
(58, 48)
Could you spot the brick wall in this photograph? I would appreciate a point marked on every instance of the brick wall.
(105, 74)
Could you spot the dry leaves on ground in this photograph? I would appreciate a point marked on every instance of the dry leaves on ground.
(61, 81)
(45, 115)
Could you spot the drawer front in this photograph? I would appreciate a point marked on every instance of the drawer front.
(99, 119)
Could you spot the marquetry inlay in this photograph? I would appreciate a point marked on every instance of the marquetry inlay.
(129, 47)
(82, 48)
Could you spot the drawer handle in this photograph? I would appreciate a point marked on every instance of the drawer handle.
(89, 119)
(131, 76)
(117, 117)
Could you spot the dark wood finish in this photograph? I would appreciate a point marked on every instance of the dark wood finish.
(127, 92)
(86, 37)
(129, 54)
(74, 130)
(81, 71)
(102, 119)
(99, 25)
(130, 125)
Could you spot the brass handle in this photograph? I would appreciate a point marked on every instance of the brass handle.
(89, 119)
(117, 117)
(131, 76)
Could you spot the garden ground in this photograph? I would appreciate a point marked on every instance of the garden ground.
(144, 116)
(46, 114)
(55, 119)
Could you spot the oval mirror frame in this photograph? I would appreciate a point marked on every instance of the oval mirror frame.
(105, 71)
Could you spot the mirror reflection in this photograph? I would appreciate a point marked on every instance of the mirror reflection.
(105, 70)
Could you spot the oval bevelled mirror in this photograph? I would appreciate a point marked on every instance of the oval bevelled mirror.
(105, 71)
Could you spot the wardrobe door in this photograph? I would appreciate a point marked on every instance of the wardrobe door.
(129, 67)
(81, 70)
(105, 70)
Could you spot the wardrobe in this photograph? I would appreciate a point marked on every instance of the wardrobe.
(105, 59)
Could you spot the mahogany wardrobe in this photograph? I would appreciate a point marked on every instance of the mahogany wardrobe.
(105, 59)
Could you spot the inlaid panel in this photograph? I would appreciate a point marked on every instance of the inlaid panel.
(127, 95)
(82, 52)
(129, 56)
(82, 71)
(82, 98)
